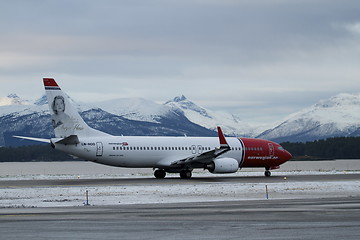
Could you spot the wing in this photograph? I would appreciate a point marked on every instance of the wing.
(205, 157)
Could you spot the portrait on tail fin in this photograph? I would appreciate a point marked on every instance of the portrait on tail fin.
(58, 107)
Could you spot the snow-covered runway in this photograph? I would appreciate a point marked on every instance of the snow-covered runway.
(69, 189)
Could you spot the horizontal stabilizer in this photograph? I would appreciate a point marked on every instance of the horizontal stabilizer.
(44, 140)
(72, 139)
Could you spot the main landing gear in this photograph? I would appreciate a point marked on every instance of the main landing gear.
(159, 173)
(184, 174)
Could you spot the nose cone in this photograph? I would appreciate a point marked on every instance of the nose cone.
(284, 155)
(287, 156)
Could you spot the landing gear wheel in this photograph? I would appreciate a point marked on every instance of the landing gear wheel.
(267, 173)
(159, 173)
(185, 174)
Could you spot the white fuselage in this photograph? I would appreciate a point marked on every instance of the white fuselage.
(142, 152)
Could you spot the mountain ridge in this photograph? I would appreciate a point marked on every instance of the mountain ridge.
(336, 116)
(333, 117)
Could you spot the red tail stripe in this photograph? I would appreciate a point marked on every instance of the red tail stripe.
(50, 82)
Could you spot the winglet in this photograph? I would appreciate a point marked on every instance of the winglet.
(223, 142)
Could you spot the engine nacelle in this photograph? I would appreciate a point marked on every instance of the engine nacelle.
(223, 165)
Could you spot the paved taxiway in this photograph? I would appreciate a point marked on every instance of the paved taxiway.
(175, 180)
(327, 218)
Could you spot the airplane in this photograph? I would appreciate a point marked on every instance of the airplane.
(218, 155)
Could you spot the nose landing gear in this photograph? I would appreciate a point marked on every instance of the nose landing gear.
(267, 172)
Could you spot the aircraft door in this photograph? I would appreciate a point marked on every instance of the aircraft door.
(193, 149)
(271, 149)
(200, 149)
(99, 149)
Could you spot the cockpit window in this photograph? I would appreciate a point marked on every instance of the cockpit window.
(281, 148)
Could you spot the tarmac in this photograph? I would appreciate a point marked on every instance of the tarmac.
(175, 180)
(327, 218)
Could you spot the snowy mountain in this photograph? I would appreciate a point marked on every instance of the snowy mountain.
(337, 116)
(138, 109)
(231, 124)
(13, 99)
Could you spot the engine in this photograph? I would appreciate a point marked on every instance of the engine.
(223, 165)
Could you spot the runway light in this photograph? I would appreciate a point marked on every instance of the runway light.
(87, 198)
(267, 193)
(285, 178)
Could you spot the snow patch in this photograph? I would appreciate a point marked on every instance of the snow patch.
(63, 196)
(231, 124)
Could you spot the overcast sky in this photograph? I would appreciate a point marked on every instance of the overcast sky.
(261, 60)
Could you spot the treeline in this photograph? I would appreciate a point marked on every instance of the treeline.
(331, 148)
(35, 153)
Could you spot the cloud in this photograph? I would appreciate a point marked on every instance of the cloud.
(233, 55)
